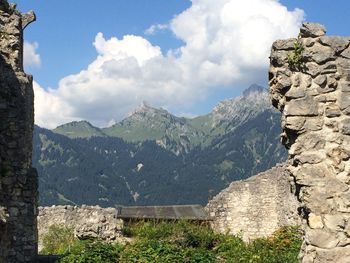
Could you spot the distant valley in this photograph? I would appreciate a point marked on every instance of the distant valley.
(155, 158)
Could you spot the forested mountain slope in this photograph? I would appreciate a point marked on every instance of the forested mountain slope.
(154, 158)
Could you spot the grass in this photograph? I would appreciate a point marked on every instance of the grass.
(177, 242)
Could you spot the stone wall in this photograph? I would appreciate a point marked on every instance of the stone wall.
(18, 180)
(86, 221)
(255, 207)
(310, 85)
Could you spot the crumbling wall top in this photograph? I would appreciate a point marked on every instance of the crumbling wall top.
(12, 24)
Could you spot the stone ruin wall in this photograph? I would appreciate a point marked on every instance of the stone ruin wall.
(255, 207)
(313, 94)
(86, 222)
(18, 180)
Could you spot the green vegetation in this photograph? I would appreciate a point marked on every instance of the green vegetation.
(58, 240)
(103, 170)
(295, 58)
(79, 129)
(178, 242)
(92, 252)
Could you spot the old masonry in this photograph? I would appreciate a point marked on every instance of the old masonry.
(18, 180)
(310, 84)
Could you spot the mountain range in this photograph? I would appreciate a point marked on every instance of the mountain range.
(155, 158)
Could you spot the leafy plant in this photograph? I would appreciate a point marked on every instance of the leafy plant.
(88, 251)
(295, 58)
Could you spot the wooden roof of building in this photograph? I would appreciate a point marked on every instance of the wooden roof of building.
(189, 212)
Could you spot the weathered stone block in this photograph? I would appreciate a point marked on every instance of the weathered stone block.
(344, 86)
(313, 124)
(295, 123)
(315, 221)
(344, 102)
(346, 53)
(301, 107)
(339, 154)
(295, 93)
(310, 158)
(319, 54)
(321, 238)
(343, 202)
(312, 30)
(334, 222)
(332, 111)
(312, 68)
(321, 80)
(301, 81)
(345, 126)
(308, 41)
(336, 255)
(279, 58)
(338, 44)
(285, 44)
(343, 65)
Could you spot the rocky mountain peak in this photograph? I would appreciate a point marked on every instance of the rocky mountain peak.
(143, 108)
(75, 124)
(253, 100)
(254, 88)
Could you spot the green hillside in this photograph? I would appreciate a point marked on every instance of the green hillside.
(78, 129)
(155, 158)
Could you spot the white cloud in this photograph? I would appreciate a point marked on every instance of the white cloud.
(227, 43)
(50, 109)
(30, 55)
(153, 29)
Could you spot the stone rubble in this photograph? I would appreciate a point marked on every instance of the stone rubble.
(314, 99)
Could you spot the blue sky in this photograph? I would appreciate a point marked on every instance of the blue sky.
(81, 74)
(65, 29)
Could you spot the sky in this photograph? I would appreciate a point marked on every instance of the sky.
(99, 60)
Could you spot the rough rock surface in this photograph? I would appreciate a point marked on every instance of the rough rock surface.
(87, 221)
(18, 180)
(255, 207)
(313, 95)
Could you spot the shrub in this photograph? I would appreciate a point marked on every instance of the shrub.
(58, 240)
(177, 242)
(162, 251)
(232, 249)
(295, 58)
(88, 251)
(283, 246)
(182, 233)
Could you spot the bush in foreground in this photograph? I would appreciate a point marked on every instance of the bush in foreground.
(187, 242)
(92, 252)
(58, 240)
